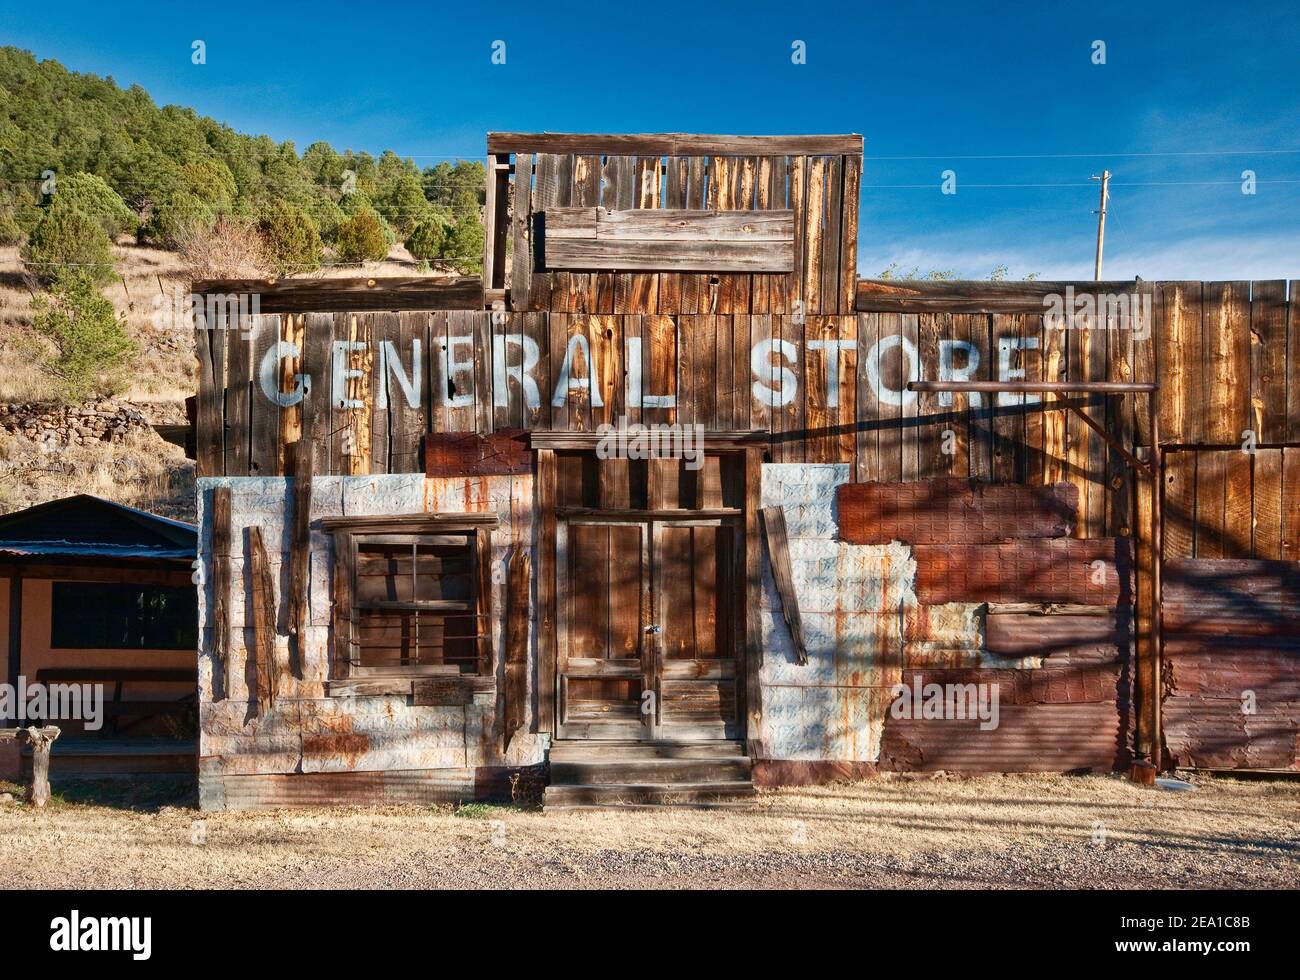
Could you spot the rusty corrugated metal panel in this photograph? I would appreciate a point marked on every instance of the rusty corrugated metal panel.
(1093, 571)
(1215, 733)
(1232, 658)
(504, 452)
(950, 510)
(1065, 637)
(1029, 738)
(1053, 719)
(1220, 671)
(1232, 597)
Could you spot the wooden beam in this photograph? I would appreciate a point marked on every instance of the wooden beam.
(411, 523)
(753, 660)
(673, 144)
(547, 644)
(972, 296)
(351, 295)
(670, 256)
(518, 605)
(262, 619)
(15, 631)
(301, 461)
(778, 552)
(221, 591)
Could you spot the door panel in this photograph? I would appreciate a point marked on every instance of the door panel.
(648, 606)
(604, 578)
(696, 600)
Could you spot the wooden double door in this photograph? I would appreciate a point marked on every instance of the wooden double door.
(650, 644)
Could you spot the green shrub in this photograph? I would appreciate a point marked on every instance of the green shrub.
(426, 241)
(89, 339)
(403, 204)
(176, 215)
(328, 216)
(68, 238)
(90, 195)
(362, 238)
(463, 247)
(292, 241)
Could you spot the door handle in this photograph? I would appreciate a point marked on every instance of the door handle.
(654, 628)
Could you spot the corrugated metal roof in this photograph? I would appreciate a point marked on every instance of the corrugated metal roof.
(89, 527)
(87, 549)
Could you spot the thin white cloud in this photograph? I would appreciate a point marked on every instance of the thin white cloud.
(1202, 257)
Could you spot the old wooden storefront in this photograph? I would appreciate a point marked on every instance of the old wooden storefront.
(657, 502)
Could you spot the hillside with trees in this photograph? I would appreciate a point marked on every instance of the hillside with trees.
(109, 203)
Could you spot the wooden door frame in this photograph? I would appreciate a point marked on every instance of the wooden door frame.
(563, 525)
(750, 446)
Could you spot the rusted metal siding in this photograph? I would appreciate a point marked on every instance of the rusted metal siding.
(948, 510)
(873, 620)
(1025, 570)
(307, 731)
(1232, 656)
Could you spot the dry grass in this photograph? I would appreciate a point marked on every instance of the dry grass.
(145, 472)
(147, 279)
(898, 818)
(142, 471)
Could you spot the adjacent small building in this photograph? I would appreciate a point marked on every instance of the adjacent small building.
(97, 593)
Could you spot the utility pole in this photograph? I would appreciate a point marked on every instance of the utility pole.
(1101, 222)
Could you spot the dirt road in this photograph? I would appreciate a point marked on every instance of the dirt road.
(989, 832)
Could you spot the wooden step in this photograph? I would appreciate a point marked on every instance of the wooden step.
(591, 751)
(647, 770)
(618, 794)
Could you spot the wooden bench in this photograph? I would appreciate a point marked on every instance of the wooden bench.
(117, 708)
(40, 739)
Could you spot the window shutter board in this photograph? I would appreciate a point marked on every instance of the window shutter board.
(663, 239)
(413, 603)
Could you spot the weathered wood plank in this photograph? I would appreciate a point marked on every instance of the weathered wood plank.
(221, 579)
(262, 620)
(518, 606)
(1268, 360)
(671, 144)
(302, 471)
(547, 640)
(685, 256)
(753, 654)
(238, 408)
(778, 551)
(209, 346)
(352, 295)
(521, 230)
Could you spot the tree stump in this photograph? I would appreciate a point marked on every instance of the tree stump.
(40, 739)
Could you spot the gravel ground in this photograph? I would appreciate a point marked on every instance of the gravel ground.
(987, 832)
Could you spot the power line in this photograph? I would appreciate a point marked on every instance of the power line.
(1085, 156)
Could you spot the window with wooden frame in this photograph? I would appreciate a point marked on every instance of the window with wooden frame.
(412, 602)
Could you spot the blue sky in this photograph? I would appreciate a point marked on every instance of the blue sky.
(1004, 94)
